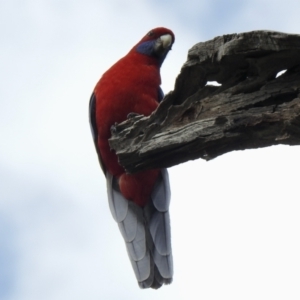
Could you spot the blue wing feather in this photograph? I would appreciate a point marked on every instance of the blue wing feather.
(160, 94)
(93, 125)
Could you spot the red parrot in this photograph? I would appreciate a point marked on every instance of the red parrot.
(138, 202)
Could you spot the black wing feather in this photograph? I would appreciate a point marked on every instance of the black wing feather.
(160, 94)
(93, 125)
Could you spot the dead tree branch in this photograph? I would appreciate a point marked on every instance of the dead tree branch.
(251, 108)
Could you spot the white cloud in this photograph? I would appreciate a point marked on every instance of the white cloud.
(234, 220)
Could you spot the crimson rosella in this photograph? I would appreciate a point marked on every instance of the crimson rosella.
(138, 202)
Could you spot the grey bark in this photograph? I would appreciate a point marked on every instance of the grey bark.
(251, 108)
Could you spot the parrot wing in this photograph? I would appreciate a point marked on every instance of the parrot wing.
(146, 231)
(160, 95)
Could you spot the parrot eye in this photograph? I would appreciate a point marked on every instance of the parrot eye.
(150, 33)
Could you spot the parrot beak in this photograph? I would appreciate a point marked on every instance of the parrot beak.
(166, 40)
(163, 44)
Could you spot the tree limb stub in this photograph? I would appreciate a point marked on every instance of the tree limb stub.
(251, 108)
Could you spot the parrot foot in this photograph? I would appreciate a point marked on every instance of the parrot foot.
(113, 128)
(132, 115)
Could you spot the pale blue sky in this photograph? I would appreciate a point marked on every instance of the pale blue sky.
(235, 220)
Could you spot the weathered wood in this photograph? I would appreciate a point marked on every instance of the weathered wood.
(251, 108)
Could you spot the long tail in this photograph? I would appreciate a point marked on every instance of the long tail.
(146, 231)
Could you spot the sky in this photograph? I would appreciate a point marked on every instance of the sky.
(235, 220)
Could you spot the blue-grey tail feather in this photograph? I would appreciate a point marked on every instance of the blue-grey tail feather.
(146, 231)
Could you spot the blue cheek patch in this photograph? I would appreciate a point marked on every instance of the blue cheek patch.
(146, 48)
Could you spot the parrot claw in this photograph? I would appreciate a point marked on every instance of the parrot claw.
(113, 128)
(132, 115)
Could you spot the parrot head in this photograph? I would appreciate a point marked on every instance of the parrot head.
(156, 43)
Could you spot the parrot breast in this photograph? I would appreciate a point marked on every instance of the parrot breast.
(129, 86)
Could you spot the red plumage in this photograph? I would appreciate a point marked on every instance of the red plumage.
(131, 86)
